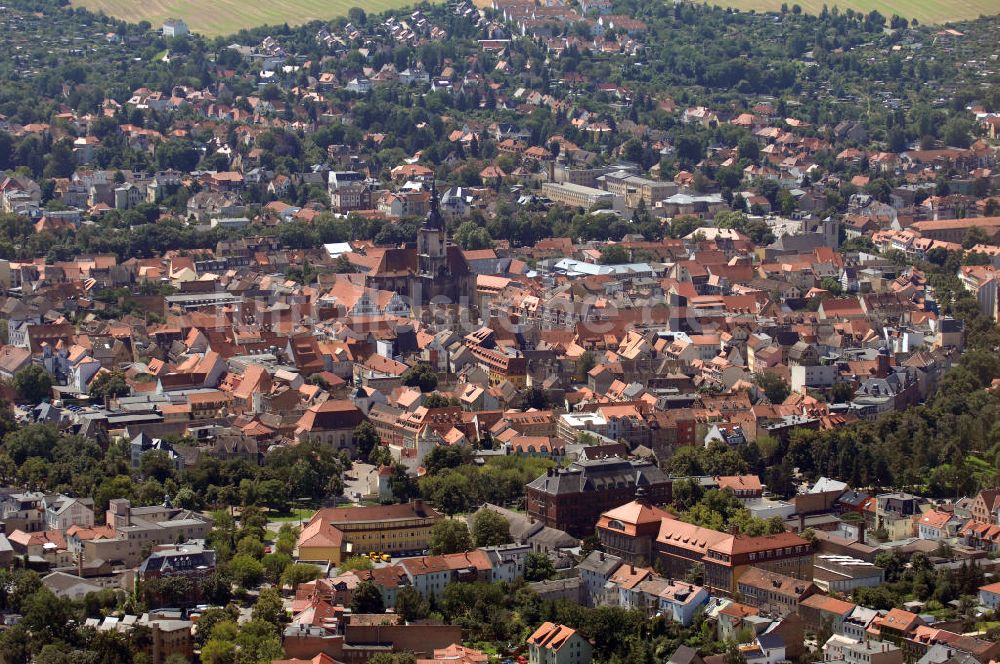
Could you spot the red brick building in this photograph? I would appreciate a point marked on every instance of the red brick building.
(573, 498)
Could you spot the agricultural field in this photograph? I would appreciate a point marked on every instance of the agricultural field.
(925, 11)
(224, 17)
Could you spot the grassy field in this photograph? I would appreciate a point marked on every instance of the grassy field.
(925, 11)
(295, 516)
(224, 17)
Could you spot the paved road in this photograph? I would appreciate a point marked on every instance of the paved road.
(356, 481)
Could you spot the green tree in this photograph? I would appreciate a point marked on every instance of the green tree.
(451, 492)
(841, 393)
(33, 383)
(355, 563)
(367, 599)
(490, 528)
(450, 536)
(108, 385)
(471, 236)
(57, 654)
(975, 235)
(684, 226)
(584, 364)
(438, 400)
(219, 651)
(392, 658)
(47, 616)
(421, 376)
(614, 254)
(212, 617)
(275, 565)
(957, 132)
(748, 149)
(535, 397)
(733, 654)
(831, 284)
(365, 439)
(156, 464)
(410, 605)
(177, 154)
(119, 486)
(775, 389)
(270, 608)
(246, 570)
(250, 545)
(297, 573)
(686, 493)
(538, 567)
(442, 458)
(61, 161)
(15, 644)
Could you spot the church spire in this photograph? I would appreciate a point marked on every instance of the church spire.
(434, 220)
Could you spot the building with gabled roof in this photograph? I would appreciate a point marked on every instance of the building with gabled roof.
(895, 626)
(818, 610)
(628, 531)
(773, 593)
(557, 644)
(337, 533)
(456, 654)
(429, 575)
(331, 422)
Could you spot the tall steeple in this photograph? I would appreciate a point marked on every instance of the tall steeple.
(434, 221)
(432, 240)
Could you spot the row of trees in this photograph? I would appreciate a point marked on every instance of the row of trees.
(456, 485)
(43, 458)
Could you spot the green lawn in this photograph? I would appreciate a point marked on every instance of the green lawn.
(925, 11)
(224, 17)
(296, 516)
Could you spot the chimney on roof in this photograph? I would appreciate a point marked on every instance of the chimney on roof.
(631, 569)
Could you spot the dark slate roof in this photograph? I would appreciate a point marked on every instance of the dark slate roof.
(684, 655)
(166, 562)
(598, 475)
(603, 564)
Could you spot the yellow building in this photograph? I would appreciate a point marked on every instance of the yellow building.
(501, 367)
(334, 534)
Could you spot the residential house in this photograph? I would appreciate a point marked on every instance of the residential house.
(558, 644)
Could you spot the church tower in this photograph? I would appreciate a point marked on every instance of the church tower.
(432, 241)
